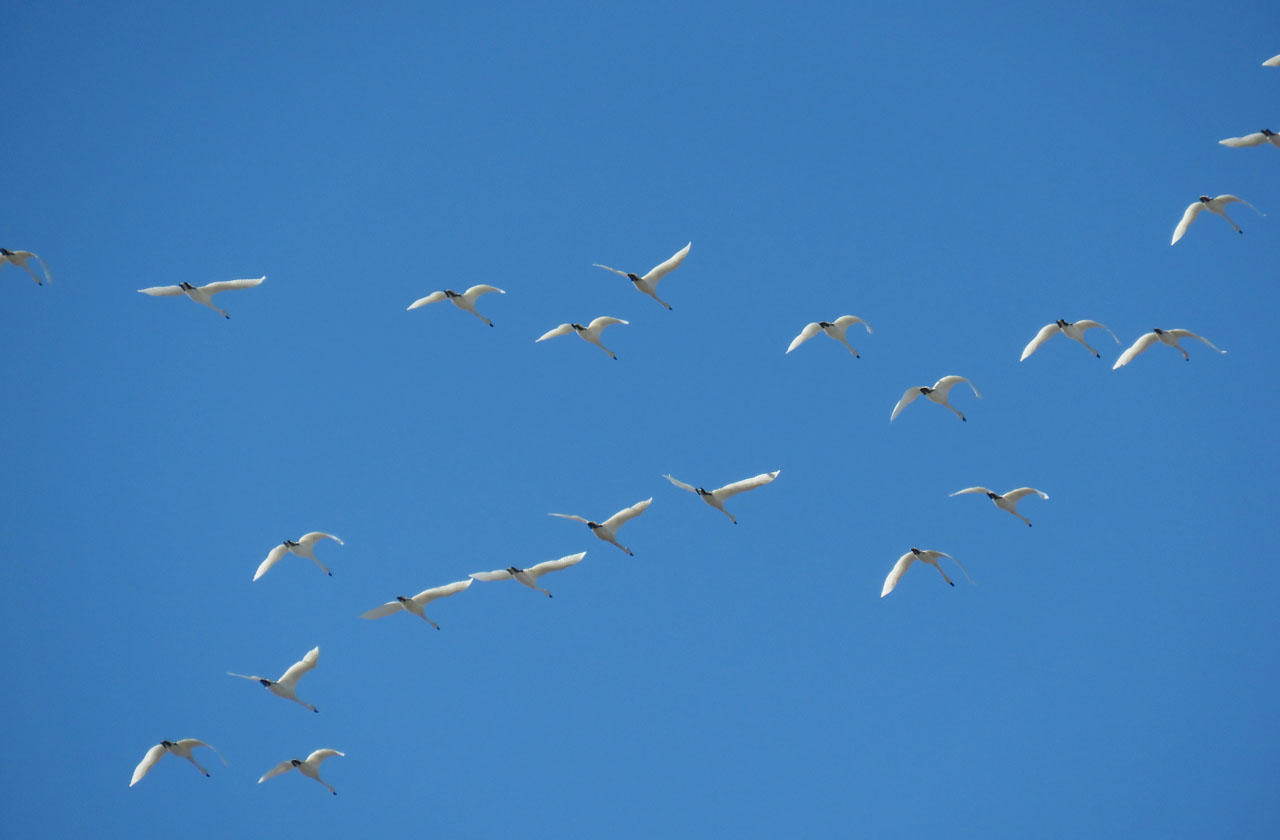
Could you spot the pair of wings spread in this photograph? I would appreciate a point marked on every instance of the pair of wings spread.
(208, 288)
(295, 672)
(722, 493)
(313, 761)
(533, 571)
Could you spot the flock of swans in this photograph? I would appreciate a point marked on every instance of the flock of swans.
(286, 686)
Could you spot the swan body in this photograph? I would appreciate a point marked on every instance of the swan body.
(182, 749)
(1213, 205)
(203, 294)
(1169, 337)
(716, 497)
(835, 329)
(19, 258)
(649, 282)
(309, 768)
(418, 603)
(287, 685)
(1009, 501)
(465, 301)
(608, 530)
(529, 577)
(301, 547)
(591, 332)
(938, 393)
(1073, 331)
(927, 556)
(1256, 139)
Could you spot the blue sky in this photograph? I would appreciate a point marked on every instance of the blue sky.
(958, 177)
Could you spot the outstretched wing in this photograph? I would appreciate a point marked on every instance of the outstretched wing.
(1190, 334)
(665, 267)
(614, 270)
(677, 482)
(1137, 348)
(563, 329)
(846, 321)
(148, 761)
(161, 291)
(476, 291)
(426, 596)
(554, 565)
(895, 574)
(229, 285)
(1188, 217)
(568, 516)
(189, 743)
(313, 537)
(946, 383)
(626, 514)
(907, 398)
(1089, 325)
(320, 755)
(1014, 495)
(810, 330)
(272, 558)
(282, 767)
(737, 487)
(1230, 199)
(1047, 332)
(296, 670)
(434, 297)
(598, 324)
(982, 490)
(1255, 139)
(383, 611)
(1272, 62)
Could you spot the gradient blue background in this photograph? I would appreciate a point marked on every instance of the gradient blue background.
(956, 175)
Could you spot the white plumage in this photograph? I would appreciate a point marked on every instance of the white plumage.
(465, 301)
(203, 294)
(608, 530)
(649, 282)
(591, 332)
(287, 685)
(716, 497)
(309, 767)
(303, 547)
(529, 577)
(1169, 337)
(835, 329)
(417, 603)
(938, 393)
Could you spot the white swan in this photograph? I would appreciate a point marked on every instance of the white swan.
(182, 749)
(608, 530)
(1169, 337)
(465, 301)
(716, 497)
(928, 556)
(1073, 331)
(649, 282)
(203, 294)
(938, 393)
(287, 685)
(835, 329)
(309, 768)
(529, 577)
(418, 602)
(19, 258)
(1256, 139)
(301, 547)
(1213, 205)
(1009, 501)
(591, 332)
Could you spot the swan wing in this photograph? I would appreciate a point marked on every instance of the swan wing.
(299, 668)
(434, 297)
(668, 265)
(229, 285)
(737, 487)
(426, 596)
(809, 331)
(148, 761)
(626, 514)
(1193, 210)
(1136, 349)
(895, 574)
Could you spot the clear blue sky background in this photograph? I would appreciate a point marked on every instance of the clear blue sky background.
(957, 175)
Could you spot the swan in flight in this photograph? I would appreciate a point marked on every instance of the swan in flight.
(608, 530)
(1169, 337)
(19, 258)
(301, 547)
(417, 603)
(1214, 205)
(649, 283)
(529, 577)
(182, 749)
(1009, 501)
(835, 329)
(1255, 139)
(203, 294)
(287, 684)
(591, 332)
(938, 393)
(309, 768)
(1074, 331)
(930, 557)
(465, 301)
(716, 497)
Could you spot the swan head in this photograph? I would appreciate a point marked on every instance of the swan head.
(578, 327)
(593, 525)
(1205, 199)
(915, 551)
(167, 744)
(514, 570)
(9, 253)
(295, 762)
(825, 324)
(1062, 323)
(634, 278)
(403, 599)
(1157, 331)
(702, 492)
(1266, 132)
(926, 391)
(994, 496)
(265, 683)
(185, 286)
(290, 544)
(450, 293)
